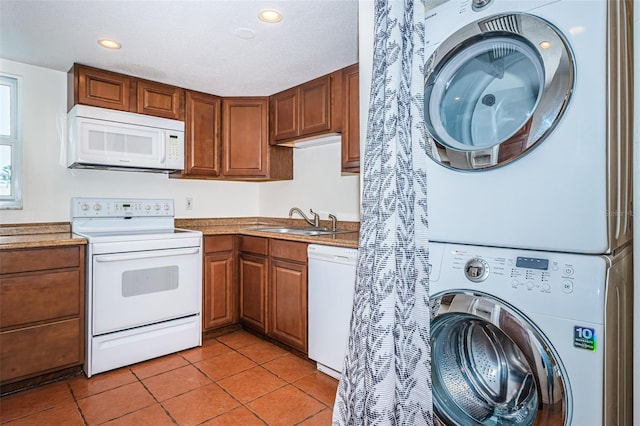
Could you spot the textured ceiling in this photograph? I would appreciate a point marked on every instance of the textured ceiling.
(191, 44)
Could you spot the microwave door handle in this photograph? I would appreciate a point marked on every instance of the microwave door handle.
(163, 147)
(146, 255)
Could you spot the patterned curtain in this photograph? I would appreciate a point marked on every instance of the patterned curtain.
(386, 378)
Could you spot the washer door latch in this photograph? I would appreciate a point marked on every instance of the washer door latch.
(476, 270)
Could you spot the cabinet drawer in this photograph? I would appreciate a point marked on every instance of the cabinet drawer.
(40, 349)
(39, 259)
(29, 299)
(257, 245)
(290, 250)
(218, 243)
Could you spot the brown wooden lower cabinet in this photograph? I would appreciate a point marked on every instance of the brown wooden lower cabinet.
(273, 289)
(219, 296)
(253, 291)
(288, 303)
(288, 293)
(41, 311)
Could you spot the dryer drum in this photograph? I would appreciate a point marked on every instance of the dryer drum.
(480, 375)
(495, 89)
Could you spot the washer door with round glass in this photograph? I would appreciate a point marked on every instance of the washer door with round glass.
(495, 89)
(492, 366)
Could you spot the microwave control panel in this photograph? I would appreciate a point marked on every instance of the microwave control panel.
(175, 149)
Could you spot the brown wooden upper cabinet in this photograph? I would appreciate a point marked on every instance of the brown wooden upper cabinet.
(351, 120)
(106, 89)
(202, 135)
(160, 100)
(310, 109)
(245, 146)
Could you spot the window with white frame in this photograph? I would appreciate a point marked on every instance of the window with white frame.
(10, 143)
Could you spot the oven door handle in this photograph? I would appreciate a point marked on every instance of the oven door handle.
(146, 255)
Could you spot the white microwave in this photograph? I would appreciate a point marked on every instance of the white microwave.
(101, 138)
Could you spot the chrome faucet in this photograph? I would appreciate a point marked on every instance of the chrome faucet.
(334, 221)
(316, 217)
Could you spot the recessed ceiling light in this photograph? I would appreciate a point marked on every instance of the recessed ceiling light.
(109, 44)
(245, 33)
(270, 15)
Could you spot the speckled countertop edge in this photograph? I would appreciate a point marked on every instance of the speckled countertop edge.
(32, 235)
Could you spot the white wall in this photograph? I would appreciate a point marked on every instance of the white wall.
(48, 186)
(317, 184)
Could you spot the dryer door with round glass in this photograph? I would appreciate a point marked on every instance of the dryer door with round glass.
(495, 89)
(492, 366)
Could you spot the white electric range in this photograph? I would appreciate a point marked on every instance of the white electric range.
(143, 281)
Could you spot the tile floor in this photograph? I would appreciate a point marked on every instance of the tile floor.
(236, 379)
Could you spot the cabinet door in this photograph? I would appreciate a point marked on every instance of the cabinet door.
(101, 88)
(315, 106)
(202, 135)
(351, 120)
(160, 100)
(253, 291)
(283, 110)
(288, 303)
(219, 300)
(245, 137)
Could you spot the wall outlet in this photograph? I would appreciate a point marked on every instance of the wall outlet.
(188, 203)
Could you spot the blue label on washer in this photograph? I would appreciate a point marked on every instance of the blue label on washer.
(584, 338)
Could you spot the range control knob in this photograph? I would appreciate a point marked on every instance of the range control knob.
(476, 270)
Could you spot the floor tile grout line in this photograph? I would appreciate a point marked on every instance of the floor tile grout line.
(73, 395)
(262, 364)
(157, 401)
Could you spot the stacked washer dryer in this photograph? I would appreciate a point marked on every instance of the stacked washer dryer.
(528, 108)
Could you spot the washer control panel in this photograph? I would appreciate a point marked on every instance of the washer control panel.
(548, 283)
(527, 273)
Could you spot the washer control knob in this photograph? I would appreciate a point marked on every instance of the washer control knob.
(476, 270)
(156, 206)
(97, 207)
(166, 206)
(147, 207)
(84, 207)
(480, 4)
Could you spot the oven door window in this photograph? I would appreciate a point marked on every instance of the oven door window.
(141, 288)
(150, 280)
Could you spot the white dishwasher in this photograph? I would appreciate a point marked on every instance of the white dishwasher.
(332, 279)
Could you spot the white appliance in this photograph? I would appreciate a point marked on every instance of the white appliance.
(101, 138)
(143, 278)
(527, 103)
(530, 337)
(332, 281)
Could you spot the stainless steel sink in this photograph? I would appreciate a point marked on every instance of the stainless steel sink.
(308, 231)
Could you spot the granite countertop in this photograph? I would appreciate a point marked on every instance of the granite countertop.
(38, 235)
(18, 236)
(251, 226)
